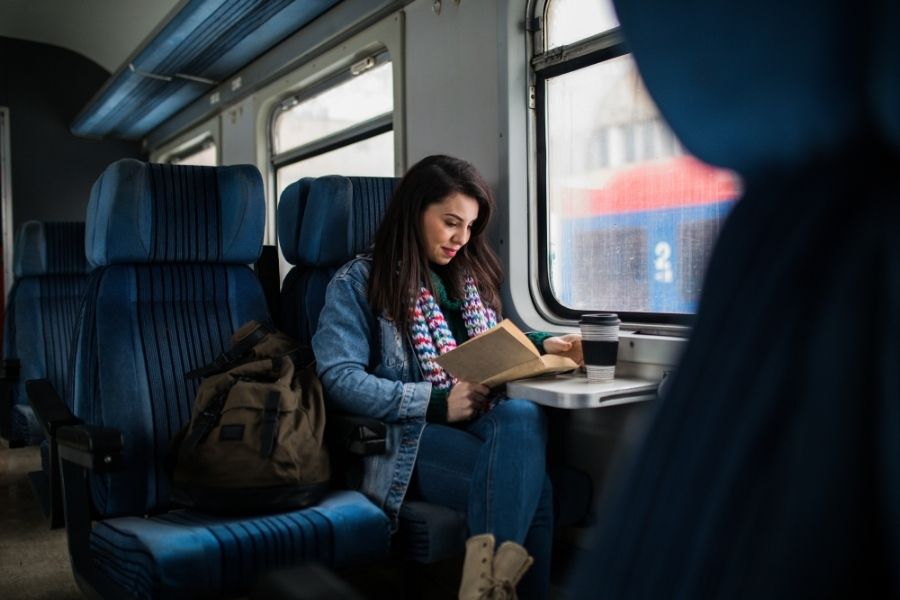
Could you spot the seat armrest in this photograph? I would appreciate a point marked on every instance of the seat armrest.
(84, 450)
(362, 436)
(9, 378)
(9, 369)
(49, 408)
(91, 447)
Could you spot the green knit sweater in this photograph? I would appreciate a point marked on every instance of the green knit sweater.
(452, 311)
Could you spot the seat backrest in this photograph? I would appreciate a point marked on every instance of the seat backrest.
(50, 276)
(323, 223)
(171, 245)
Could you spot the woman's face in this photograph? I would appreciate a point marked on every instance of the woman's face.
(447, 225)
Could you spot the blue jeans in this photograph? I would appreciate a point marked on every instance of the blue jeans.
(494, 470)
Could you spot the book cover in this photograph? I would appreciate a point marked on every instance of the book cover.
(501, 354)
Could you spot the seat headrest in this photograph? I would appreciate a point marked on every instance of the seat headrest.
(327, 220)
(49, 249)
(749, 89)
(154, 213)
(291, 207)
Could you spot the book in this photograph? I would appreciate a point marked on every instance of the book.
(500, 354)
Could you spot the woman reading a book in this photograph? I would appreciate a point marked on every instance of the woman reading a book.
(430, 283)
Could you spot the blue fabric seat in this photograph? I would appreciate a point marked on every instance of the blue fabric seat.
(50, 276)
(323, 223)
(171, 244)
(183, 554)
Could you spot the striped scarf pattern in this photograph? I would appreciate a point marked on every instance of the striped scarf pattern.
(432, 337)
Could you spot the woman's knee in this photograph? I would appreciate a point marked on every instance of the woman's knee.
(520, 413)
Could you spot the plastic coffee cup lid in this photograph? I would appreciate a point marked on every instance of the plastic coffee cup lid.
(600, 319)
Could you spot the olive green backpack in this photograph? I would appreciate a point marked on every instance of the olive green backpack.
(255, 439)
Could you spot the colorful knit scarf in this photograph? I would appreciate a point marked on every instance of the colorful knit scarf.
(431, 335)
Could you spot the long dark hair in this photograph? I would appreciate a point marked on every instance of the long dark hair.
(400, 263)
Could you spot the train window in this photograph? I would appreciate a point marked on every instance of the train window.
(373, 156)
(627, 217)
(342, 125)
(572, 20)
(197, 146)
(202, 155)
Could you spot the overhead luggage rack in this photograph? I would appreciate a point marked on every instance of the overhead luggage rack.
(201, 43)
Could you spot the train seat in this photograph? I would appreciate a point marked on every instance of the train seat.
(171, 245)
(323, 223)
(50, 276)
(321, 238)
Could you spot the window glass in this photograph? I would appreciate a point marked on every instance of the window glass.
(373, 157)
(571, 20)
(204, 156)
(631, 217)
(349, 103)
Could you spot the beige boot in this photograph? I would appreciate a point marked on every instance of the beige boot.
(478, 569)
(510, 564)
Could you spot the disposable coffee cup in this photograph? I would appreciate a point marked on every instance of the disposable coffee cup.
(600, 344)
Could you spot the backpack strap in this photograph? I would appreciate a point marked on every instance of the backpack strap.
(205, 421)
(228, 358)
(269, 424)
(270, 416)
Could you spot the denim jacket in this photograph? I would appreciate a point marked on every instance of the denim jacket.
(367, 367)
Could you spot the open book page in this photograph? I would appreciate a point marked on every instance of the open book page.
(499, 355)
(544, 365)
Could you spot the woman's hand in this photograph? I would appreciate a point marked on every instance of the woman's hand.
(566, 345)
(466, 400)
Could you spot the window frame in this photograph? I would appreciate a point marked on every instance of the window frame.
(6, 201)
(323, 81)
(339, 139)
(189, 142)
(334, 56)
(199, 146)
(543, 66)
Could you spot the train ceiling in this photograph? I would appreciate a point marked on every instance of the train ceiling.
(104, 31)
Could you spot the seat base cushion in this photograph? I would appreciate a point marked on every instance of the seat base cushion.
(185, 554)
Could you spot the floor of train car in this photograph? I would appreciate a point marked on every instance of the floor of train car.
(34, 561)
